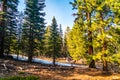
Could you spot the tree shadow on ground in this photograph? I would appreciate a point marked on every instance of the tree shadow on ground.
(47, 72)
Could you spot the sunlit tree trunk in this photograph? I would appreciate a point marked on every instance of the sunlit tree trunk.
(104, 48)
(90, 46)
(105, 64)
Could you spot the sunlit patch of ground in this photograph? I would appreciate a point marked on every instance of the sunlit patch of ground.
(63, 60)
(47, 72)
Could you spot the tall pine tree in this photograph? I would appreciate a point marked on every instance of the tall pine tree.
(65, 45)
(34, 25)
(54, 40)
(11, 27)
(85, 12)
(8, 25)
(47, 42)
(60, 37)
(101, 21)
(2, 25)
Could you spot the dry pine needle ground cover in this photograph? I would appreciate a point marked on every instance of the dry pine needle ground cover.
(47, 72)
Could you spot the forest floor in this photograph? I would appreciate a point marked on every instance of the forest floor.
(9, 68)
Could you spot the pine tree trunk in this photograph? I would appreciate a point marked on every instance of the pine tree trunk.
(90, 46)
(30, 57)
(54, 53)
(105, 66)
(30, 54)
(8, 51)
(104, 48)
(2, 25)
(92, 64)
(17, 53)
(53, 59)
(54, 50)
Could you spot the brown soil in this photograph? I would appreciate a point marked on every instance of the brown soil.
(47, 72)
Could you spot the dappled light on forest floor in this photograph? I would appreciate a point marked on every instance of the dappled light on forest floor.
(48, 72)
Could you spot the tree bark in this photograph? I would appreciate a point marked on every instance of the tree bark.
(2, 26)
(53, 59)
(105, 64)
(92, 64)
(54, 52)
(104, 48)
(30, 54)
(90, 46)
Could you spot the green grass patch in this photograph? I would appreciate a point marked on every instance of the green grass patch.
(21, 78)
(21, 72)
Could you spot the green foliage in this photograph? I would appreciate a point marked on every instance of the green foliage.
(60, 41)
(75, 42)
(21, 78)
(55, 37)
(21, 72)
(10, 26)
(47, 42)
(19, 33)
(33, 28)
(99, 20)
(116, 58)
(65, 46)
(53, 41)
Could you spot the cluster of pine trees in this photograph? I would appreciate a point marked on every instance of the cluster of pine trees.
(94, 37)
(26, 33)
